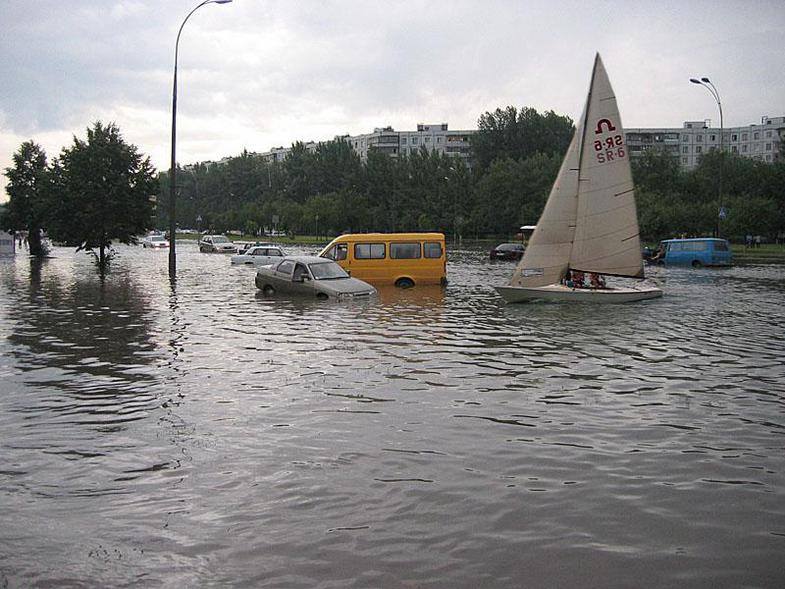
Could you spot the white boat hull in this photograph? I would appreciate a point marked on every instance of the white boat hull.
(560, 292)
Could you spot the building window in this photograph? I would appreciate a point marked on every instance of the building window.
(714, 138)
(744, 148)
(744, 137)
(698, 149)
(685, 149)
(684, 160)
(699, 138)
(735, 149)
(734, 137)
(685, 138)
(438, 140)
(427, 138)
(756, 135)
(403, 140)
(414, 140)
(768, 147)
(768, 134)
(768, 158)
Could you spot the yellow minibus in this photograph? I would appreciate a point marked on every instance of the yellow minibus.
(400, 259)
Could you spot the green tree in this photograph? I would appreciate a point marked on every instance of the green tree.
(103, 189)
(28, 183)
(517, 135)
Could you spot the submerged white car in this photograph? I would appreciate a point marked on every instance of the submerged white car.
(259, 255)
(155, 241)
(311, 276)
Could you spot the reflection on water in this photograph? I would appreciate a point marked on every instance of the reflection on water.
(197, 433)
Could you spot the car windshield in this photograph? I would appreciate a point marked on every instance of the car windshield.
(220, 239)
(157, 238)
(509, 247)
(327, 271)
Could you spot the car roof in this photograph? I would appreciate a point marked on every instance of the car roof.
(308, 259)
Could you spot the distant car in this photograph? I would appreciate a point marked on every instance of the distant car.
(155, 241)
(311, 276)
(259, 255)
(508, 251)
(217, 243)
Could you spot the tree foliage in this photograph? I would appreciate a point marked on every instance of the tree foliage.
(28, 191)
(102, 189)
(512, 134)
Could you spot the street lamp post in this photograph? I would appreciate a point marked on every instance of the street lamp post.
(173, 169)
(706, 83)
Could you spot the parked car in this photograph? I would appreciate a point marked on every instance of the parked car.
(217, 243)
(695, 252)
(155, 241)
(311, 276)
(508, 251)
(259, 255)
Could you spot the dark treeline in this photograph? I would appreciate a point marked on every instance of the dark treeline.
(673, 202)
(516, 155)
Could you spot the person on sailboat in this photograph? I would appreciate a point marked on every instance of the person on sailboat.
(567, 280)
(596, 280)
(578, 279)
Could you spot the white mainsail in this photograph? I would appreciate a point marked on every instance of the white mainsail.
(590, 221)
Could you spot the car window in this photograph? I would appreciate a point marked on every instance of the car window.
(274, 252)
(258, 251)
(300, 271)
(285, 267)
(369, 251)
(432, 249)
(404, 251)
(220, 239)
(341, 250)
(327, 271)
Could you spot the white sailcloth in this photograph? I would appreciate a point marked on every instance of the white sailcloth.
(606, 229)
(589, 222)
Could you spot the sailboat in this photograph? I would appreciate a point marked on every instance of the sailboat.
(589, 223)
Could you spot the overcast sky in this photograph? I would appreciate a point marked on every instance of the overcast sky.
(256, 74)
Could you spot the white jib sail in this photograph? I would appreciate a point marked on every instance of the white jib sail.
(547, 254)
(606, 236)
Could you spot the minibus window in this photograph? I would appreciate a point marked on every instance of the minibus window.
(721, 246)
(369, 251)
(404, 251)
(341, 250)
(432, 249)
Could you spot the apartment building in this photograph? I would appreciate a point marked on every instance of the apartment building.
(438, 138)
(433, 138)
(689, 143)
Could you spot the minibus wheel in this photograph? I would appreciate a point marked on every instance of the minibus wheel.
(404, 283)
(696, 264)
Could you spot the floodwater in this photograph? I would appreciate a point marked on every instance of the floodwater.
(207, 436)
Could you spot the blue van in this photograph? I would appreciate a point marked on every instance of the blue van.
(695, 252)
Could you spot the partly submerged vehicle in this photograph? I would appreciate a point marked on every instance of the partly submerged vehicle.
(259, 255)
(311, 276)
(695, 252)
(400, 259)
(216, 243)
(155, 240)
(589, 223)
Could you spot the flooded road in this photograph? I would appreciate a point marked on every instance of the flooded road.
(208, 436)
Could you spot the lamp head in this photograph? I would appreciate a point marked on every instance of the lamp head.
(694, 81)
(222, 1)
(705, 80)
